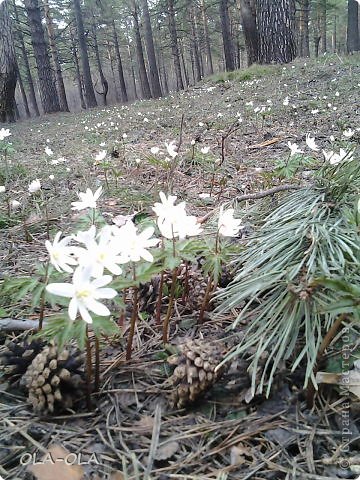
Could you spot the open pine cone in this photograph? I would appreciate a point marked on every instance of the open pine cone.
(53, 379)
(195, 371)
(17, 357)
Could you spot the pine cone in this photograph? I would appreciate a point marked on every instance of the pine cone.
(53, 379)
(195, 370)
(17, 357)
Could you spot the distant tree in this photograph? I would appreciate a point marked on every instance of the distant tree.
(123, 91)
(48, 93)
(88, 85)
(353, 40)
(150, 49)
(144, 80)
(8, 66)
(55, 57)
(248, 17)
(304, 47)
(174, 44)
(226, 35)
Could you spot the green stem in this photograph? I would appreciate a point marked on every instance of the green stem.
(206, 300)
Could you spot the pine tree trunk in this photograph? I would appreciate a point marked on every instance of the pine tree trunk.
(133, 77)
(226, 36)
(304, 47)
(123, 91)
(353, 41)
(174, 44)
(8, 66)
(48, 93)
(275, 23)
(25, 59)
(150, 49)
(88, 85)
(248, 17)
(323, 40)
(144, 81)
(55, 57)
(209, 60)
(77, 70)
(104, 82)
(111, 60)
(194, 45)
(23, 93)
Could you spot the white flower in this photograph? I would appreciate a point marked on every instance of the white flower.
(48, 151)
(84, 293)
(15, 205)
(310, 142)
(348, 133)
(294, 148)
(4, 132)
(205, 150)
(286, 101)
(100, 156)
(171, 148)
(87, 199)
(204, 195)
(2, 189)
(228, 226)
(172, 219)
(34, 186)
(51, 177)
(314, 112)
(327, 155)
(133, 245)
(154, 150)
(61, 255)
(101, 252)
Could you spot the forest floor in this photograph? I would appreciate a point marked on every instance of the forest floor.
(221, 437)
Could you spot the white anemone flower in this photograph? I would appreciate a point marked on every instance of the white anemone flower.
(100, 156)
(101, 252)
(2, 189)
(310, 142)
(4, 132)
(61, 255)
(348, 133)
(205, 150)
(84, 293)
(154, 150)
(171, 148)
(167, 207)
(34, 186)
(133, 245)
(48, 151)
(228, 226)
(87, 199)
(294, 148)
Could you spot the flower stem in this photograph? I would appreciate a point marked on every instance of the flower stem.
(159, 300)
(133, 319)
(42, 298)
(97, 364)
(170, 306)
(88, 370)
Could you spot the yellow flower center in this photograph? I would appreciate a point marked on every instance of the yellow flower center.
(82, 294)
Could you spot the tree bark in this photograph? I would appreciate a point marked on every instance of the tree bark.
(209, 60)
(55, 56)
(323, 34)
(48, 93)
(77, 70)
(304, 46)
(25, 59)
(144, 81)
(150, 49)
(104, 82)
(194, 44)
(8, 66)
(248, 18)
(88, 85)
(353, 40)
(174, 44)
(23, 93)
(111, 60)
(226, 35)
(133, 77)
(123, 91)
(275, 23)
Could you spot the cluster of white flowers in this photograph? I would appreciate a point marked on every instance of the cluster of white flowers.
(89, 253)
(336, 158)
(4, 132)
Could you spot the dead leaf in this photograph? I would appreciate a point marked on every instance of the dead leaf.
(117, 476)
(57, 464)
(145, 424)
(350, 380)
(167, 450)
(237, 455)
